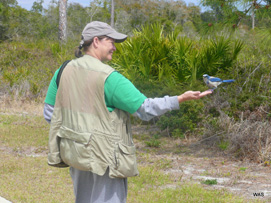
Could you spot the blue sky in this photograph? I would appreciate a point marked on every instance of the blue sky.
(27, 4)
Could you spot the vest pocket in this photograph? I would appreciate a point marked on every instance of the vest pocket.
(75, 149)
(125, 161)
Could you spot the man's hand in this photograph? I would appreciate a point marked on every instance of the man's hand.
(191, 95)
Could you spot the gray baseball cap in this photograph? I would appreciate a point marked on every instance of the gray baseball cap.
(97, 28)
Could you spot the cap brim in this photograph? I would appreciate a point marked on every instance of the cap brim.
(118, 37)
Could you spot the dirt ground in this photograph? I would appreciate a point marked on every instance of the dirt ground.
(189, 161)
(241, 178)
(193, 161)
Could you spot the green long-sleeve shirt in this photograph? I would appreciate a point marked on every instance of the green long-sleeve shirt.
(119, 93)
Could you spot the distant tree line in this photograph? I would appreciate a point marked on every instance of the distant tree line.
(40, 22)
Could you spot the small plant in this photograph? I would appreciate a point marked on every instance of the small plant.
(154, 142)
(267, 163)
(228, 174)
(223, 145)
(178, 134)
(209, 182)
(163, 164)
(242, 169)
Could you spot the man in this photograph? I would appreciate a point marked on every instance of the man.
(90, 124)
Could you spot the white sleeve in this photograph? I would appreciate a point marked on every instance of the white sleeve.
(48, 112)
(156, 107)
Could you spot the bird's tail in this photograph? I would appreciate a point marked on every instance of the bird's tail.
(228, 80)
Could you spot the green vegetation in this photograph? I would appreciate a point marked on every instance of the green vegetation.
(155, 55)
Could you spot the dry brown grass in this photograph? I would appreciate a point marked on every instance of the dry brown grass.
(251, 140)
(10, 105)
(248, 138)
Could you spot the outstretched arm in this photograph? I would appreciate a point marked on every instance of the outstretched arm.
(159, 106)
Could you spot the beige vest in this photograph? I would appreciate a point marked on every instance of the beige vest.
(83, 133)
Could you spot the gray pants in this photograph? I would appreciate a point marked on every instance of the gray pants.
(92, 188)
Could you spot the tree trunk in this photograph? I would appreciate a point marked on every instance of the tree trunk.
(253, 14)
(62, 28)
(112, 13)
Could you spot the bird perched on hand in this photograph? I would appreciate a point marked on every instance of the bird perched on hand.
(213, 82)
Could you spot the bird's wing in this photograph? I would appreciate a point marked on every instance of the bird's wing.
(213, 79)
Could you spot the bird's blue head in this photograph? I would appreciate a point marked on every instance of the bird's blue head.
(206, 76)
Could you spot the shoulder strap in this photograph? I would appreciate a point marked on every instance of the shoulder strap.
(60, 72)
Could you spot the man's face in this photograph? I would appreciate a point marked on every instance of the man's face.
(106, 48)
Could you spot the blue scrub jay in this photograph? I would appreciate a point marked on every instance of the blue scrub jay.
(213, 82)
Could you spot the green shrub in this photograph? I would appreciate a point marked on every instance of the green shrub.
(185, 119)
(154, 55)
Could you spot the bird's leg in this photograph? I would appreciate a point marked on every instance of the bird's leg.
(213, 89)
